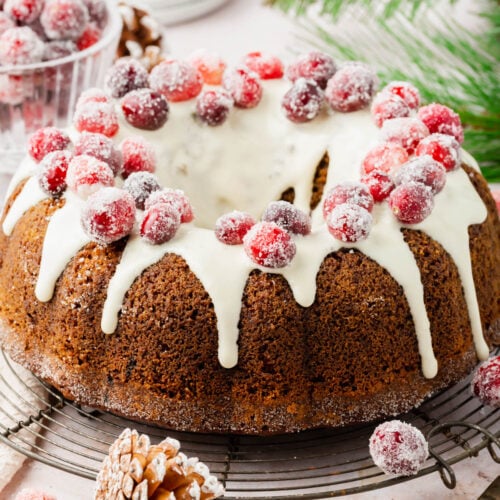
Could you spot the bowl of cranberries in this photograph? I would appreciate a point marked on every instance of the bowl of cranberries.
(50, 51)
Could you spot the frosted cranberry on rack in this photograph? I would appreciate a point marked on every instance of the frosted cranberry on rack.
(101, 147)
(351, 88)
(243, 86)
(174, 197)
(57, 49)
(303, 102)
(486, 382)
(442, 120)
(64, 19)
(406, 132)
(5, 22)
(52, 173)
(97, 11)
(230, 228)
(349, 223)
(108, 215)
(90, 36)
(398, 448)
(92, 95)
(20, 46)
(269, 245)
(124, 76)
(384, 157)
(267, 66)
(386, 106)
(138, 155)
(145, 109)
(423, 169)
(347, 192)
(210, 65)
(46, 140)
(407, 91)
(87, 174)
(23, 11)
(315, 65)
(411, 202)
(96, 117)
(213, 106)
(445, 149)
(140, 185)
(288, 217)
(379, 183)
(160, 223)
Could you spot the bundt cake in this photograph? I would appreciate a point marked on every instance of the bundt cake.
(307, 253)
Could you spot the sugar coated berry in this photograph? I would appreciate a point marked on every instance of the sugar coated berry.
(58, 49)
(46, 140)
(5, 22)
(145, 109)
(288, 217)
(32, 494)
(351, 88)
(266, 66)
(20, 45)
(213, 106)
(347, 192)
(92, 95)
(496, 196)
(422, 169)
(87, 174)
(176, 80)
(101, 147)
(125, 75)
(210, 65)
(349, 223)
(175, 197)
(398, 448)
(315, 65)
(379, 183)
(97, 12)
(140, 185)
(243, 86)
(486, 382)
(406, 132)
(230, 228)
(445, 149)
(269, 245)
(408, 92)
(138, 155)
(23, 11)
(386, 106)
(440, 119)
(96, 117)
(90, 36)
(160, 223)
(52, 173)
(385, 157)
(108, 215)
(303, 101)
(64, 19)
(411, 202)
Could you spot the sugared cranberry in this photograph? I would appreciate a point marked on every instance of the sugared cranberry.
(422, 169)
(176, 80)
(398, 448)
(408, 92)
(97, 12)
(87, 174)
(496, 196)
(303, 101)
(230, 228)
(349, 223)
(315, 65)
(243, 86)
(126, 75)
(288, 217)
(96, 117)
(140, 185)
(20, 46)
(351, 88)
(52, 173)
(406, 132)
(385, 157)
(138, 155)
(267, 66)
(379, 183)
(386, 106)
(90, 36)
(58, 49)
(108, 215)
(445, 149)
(412, 202)
(354, 193)
(32, 494)
(440, 119)
(486, 382)
(101, 147)
(64, 19)
(92, 95)
(213, 106)
(174, 197)
(5, 22)
(23, 11)
(269, 245)
(46, 140)
(160, 223)
(145, 109)
(210, 65)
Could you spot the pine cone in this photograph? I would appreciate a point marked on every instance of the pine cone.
(135, 469)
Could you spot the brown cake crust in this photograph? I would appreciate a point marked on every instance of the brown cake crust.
(350, 357)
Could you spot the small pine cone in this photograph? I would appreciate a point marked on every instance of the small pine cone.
(137, 470)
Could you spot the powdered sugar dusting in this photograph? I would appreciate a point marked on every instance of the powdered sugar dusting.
(486, 382)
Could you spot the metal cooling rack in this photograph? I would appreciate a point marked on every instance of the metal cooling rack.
(308, 465)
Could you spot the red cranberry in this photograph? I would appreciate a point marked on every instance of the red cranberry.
(145, 109)
(442, 120)
(244, 87)
(96, 117)
(316, 66)
(386, 106)
(140, 185)
(23, 11)
(422, 169)
(288, 217)
(138, 155)
(412, 202)
(486, 382)
(126, 75)
(267, 66)
(160, 223)
(52, 173)
(445, 149)
(64, 19)
(351, 88)
(5, 23)
(213, 106)
(269, 245)
(209, 64)
(101, 147)
(379, 184)
(92, 95)
(108, 215)
(398, 448)
(45, 140)
(408, 92)
(385, 157)
(97, 12)
(90, 36)
(58, 49)
(354, 193)
(230, 228)
(349, 223)
(303, 101)
(20, 46)
(174, 197)
(407, 132)
(87, 174)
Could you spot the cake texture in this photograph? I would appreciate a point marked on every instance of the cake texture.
(372, 284)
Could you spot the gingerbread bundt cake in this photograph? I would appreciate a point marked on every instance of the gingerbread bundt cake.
(299, 259)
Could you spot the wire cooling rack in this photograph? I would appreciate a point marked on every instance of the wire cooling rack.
(308, 465)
